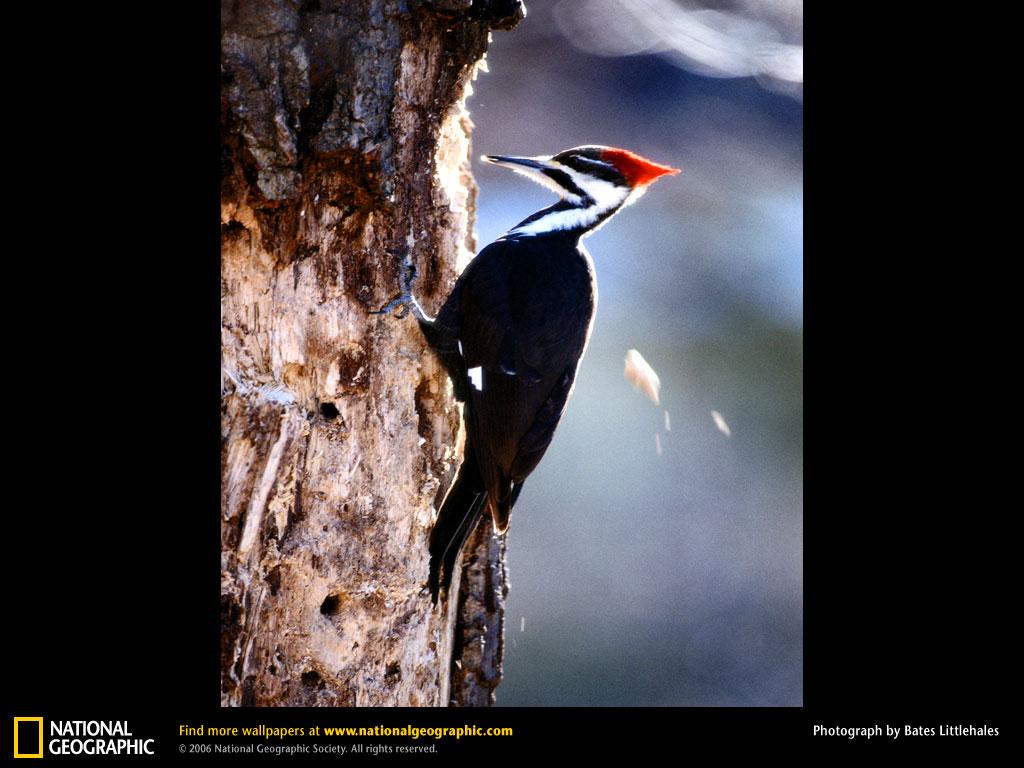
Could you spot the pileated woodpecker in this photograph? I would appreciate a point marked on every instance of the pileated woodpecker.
(513, 330)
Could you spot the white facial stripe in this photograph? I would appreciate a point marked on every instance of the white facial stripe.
(476, 377)
(606, 196)
(605, 163)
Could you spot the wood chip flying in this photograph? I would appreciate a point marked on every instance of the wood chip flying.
(720, 423)
(641, 375)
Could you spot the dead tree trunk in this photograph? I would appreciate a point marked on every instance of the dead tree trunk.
(345, 153)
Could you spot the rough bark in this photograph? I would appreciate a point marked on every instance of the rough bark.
(345, 153)
(480, 641)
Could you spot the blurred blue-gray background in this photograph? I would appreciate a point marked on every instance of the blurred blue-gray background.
(672, 578)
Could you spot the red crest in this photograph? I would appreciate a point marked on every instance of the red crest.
(637, 170)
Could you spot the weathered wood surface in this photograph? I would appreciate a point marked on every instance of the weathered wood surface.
(345, 152)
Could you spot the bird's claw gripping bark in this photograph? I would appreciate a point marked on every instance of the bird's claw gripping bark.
(404, 302)
(400, 302)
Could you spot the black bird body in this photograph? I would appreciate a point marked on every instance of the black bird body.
(512, 332)
(522, 312)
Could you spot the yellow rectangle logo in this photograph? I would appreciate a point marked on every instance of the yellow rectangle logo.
(18, 747)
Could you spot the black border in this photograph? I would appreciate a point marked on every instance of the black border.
(113, 338)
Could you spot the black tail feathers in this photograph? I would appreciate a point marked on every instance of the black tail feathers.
(459, 514)
(504, 508)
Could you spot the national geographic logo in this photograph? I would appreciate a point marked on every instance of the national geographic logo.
(28, 737)
(77, 737)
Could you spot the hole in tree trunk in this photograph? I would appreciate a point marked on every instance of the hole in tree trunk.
(312, 679)
(330, 605)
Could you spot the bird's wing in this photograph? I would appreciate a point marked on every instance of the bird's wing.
(522, 314)
(523, 327)
(481, 300)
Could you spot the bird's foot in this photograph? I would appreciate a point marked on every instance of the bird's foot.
(403, 302)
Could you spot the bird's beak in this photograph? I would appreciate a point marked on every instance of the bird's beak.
(534, 168)
(519, 163)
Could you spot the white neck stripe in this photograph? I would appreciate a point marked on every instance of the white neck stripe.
(578, 218)
(574, 218)
(607, 197)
